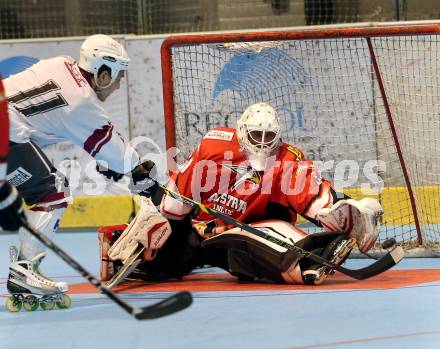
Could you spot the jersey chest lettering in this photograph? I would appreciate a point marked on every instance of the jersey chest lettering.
(230, 201)
(40, 99)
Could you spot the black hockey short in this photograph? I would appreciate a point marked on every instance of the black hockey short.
(33, 174)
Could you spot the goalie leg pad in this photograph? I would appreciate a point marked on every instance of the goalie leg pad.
(125, 270)
(106, 237)
(250, 256)
(148, 228)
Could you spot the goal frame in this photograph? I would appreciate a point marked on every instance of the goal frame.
(367, 31)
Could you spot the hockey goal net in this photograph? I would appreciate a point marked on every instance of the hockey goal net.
(363, 102)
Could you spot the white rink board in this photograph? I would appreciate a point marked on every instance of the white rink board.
(145, 99)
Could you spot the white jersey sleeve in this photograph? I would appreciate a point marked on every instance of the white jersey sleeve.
(52, 102)
(97, 136)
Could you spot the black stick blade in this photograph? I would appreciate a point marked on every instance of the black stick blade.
(168, 306)
(388, 243)
(386, 262)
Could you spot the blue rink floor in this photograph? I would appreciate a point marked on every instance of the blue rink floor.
(343, 316)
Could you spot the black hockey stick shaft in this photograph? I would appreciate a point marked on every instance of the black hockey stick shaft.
(381, 265)
(167, 306)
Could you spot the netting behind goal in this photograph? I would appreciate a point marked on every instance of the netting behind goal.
(362, 102)
(57, 18)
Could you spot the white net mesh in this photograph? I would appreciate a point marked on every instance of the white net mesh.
(328, 97)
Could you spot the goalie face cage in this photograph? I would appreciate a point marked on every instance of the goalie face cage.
(362, 102)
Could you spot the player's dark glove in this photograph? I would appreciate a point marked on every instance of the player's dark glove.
(11, 207)
(115, 176)
(144, 179)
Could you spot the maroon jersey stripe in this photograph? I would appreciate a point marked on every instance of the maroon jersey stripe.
(105, 141)
(98, 138)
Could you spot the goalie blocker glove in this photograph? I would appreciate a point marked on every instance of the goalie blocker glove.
(143, 179)
(358, 219)
(11, 208)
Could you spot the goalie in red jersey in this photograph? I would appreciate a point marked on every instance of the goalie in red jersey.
(249, 174)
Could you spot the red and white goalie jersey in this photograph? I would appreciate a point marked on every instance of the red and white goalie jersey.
(219, 176)
(52, 102)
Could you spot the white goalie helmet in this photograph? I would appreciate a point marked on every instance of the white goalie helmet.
(259, 133)
(98, 50)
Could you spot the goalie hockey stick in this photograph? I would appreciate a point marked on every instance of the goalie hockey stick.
(386, 262)
(170, 305)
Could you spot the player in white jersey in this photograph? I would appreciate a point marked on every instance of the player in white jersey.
(57, 100)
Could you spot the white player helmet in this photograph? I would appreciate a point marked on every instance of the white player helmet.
(259, 133)
(100, 49)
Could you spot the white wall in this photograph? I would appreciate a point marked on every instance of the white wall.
(137, 108)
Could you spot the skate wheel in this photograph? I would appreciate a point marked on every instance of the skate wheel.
(65, 303)
(13, 304)
(47, 304)
(30, 303)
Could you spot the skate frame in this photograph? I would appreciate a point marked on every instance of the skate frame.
(170, 305)
(386, 262)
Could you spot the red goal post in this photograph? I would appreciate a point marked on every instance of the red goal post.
(362, 101)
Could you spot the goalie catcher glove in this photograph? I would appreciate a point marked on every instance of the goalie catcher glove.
(11, 209)
(148, 228)
(358, 219)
